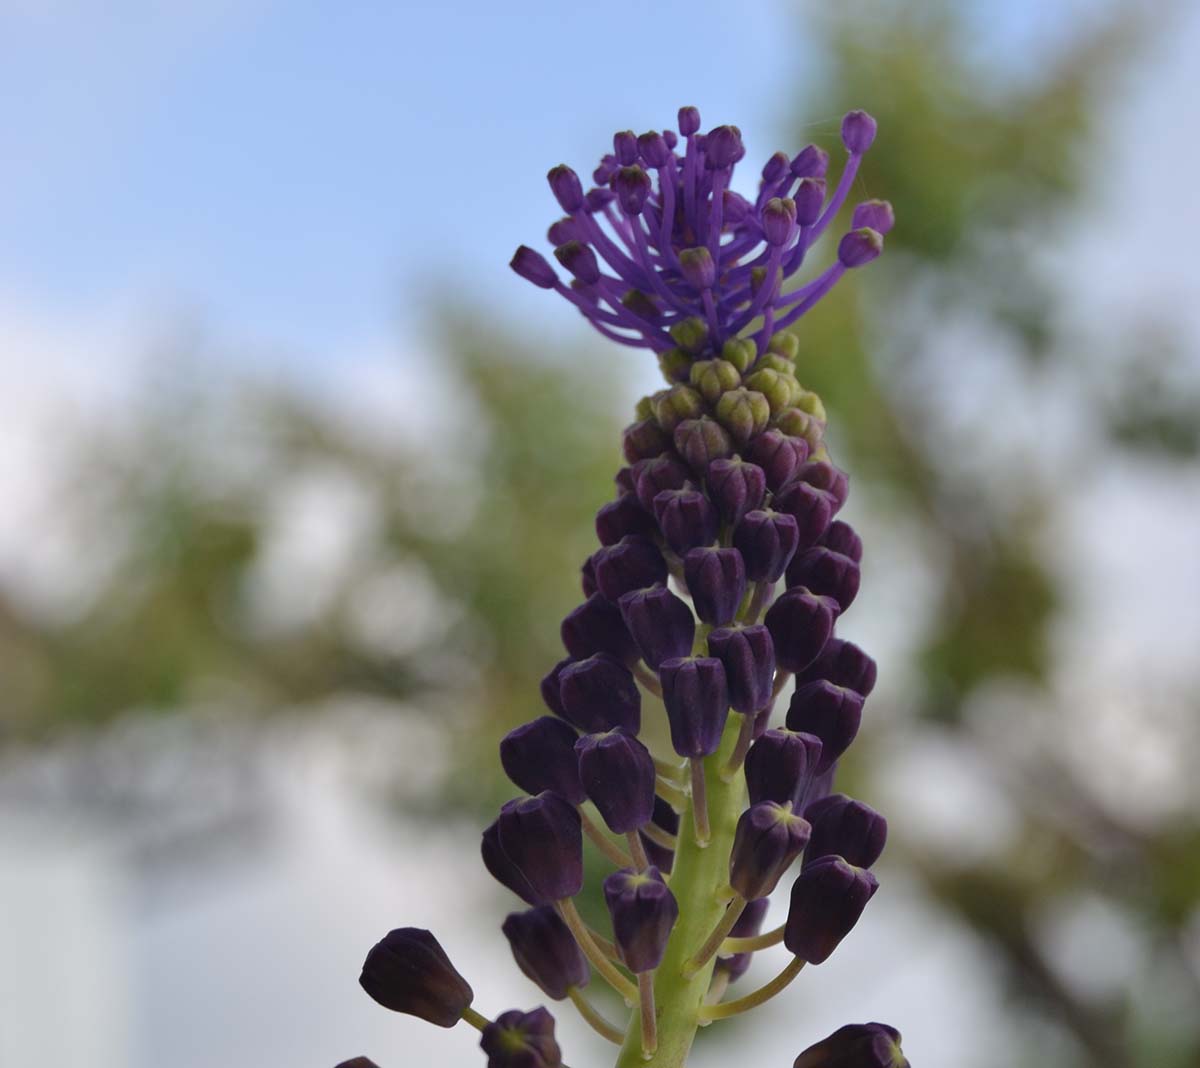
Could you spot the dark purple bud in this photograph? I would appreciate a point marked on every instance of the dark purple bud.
(872, 1045)
(500, 865)
(810, 199)
(697, 702)
(826, 477)
(833, 713)
(671, 139)
(859, 247)
(748, 655)
(408, 971)
(779, 455)
(598, 199)
(686, 518)
(587, 576)
(800, 623)
(567, 188)
(810, 162)
(716, 579)
(769, 837)
(845, 828)
(533, 267)
(778, 220)
(844, 664)
(518, 1039)
(827, 900)
(632, 186)
(749, 924)
(767, 541)
(723, 147)
(644, 440)
(653, 148)
(701, 441)
(561, 231)
(546, 951)
(826, 573)
(841, 538)
(551, 687)
(667, 819)
(643, 911)
(621, 517)
(625, 147)
(775, 168)
(580, 260)
(877, 215)
(599, 693)
(542, 837)
(811, 507)
(596, 627)
(617, 772)
(736, 487)
(654, 476)
(632, 564)
(661, 624)
(698, 268)
(689, 121)
(540, 756)
(780, 764)
(858, 131)
(626, 482)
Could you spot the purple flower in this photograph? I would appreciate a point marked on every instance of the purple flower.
(598, 694)
(540, 756)
(542, 838)
(833, 713)
(697, 702)
(408, 971)
(617, 772)
(749, 658)
(872, 1045)
(842, 827)
(780, 765)
(546, 951)
(828, 898)
(643, 911)
(768, 838)
(518, 1039)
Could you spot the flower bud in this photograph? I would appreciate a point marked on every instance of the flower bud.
(653, 148)
(697, 267)
(780, 764)
(675, 364)
(833, 713)
(714, 378)
(617, 772)
(567, 188)
(643, 911)
(810, 162)
(542, 837)
(644, 440)
(632, 186)
(654, 476)
(596, 627)
(672, 406)
(798, 423)
(686, 518)
(748, 655)
(357, 1062)
(845, 828)
(533, 267)
(811, 507)
(744, 413)
(625, 147)
(777, 454)
(408, 971)
(580, 260)
(667, 819)
(828, 898)
(551, 686)
(739, 351)
(697, 703)
(632, 564)
(546, 951)
(859, 247)
(598, 199)
(540, 756)
(810, 199)
(872, 1045)
(844, 664)
(778, 220)
(599, 693)
(716, 579)
(826, 477)
(800, 623)
(661, 624)
(775, 167)
(723, 147)
(877, 215)
(518, 1039)
(769, 837)
(701, 441)
(736, 487)
(858, 131)
(689, 121)
(827, 573)
(690, 334)
(500, 865)
(622, 517)
(587, 576)
(767, 541)
(749, 924)
(841, 538)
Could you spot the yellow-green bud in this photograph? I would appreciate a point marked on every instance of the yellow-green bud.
(811, 403)
(772, 361)
(739, 351)
(690, 334)
(714, 377)
(799, 424)
(744, 413)
(786, 345)
(677, 404)
(779, 389)
(645, 408)
(675, 364)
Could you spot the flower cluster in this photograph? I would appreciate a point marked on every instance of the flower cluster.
(722, 576)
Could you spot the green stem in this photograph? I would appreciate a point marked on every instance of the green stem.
(748, 945)
(571, 917)
(646, 1014)
(695, 878)
(713, 942)
(603, 843)
(475, 1019)
(594, 1020)
(758, 997)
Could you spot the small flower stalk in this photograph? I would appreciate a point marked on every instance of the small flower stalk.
(722, 574)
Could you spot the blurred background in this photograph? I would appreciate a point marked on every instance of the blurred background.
(297, 478)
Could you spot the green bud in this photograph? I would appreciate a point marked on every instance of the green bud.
(779, 389)
(772, 361)
(744, 413)
(690, 334)
(714, 377)
(797, 423)
(640, 304)
(739, 351)
(645, 408)
(675, 364)
(700, 441)
(809, 402)
(786, 345)
(675, 405)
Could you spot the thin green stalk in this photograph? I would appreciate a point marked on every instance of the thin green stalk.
(593, 1017)
(751, 1001)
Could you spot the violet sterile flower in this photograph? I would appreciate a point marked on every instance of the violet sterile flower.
(728, 489)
